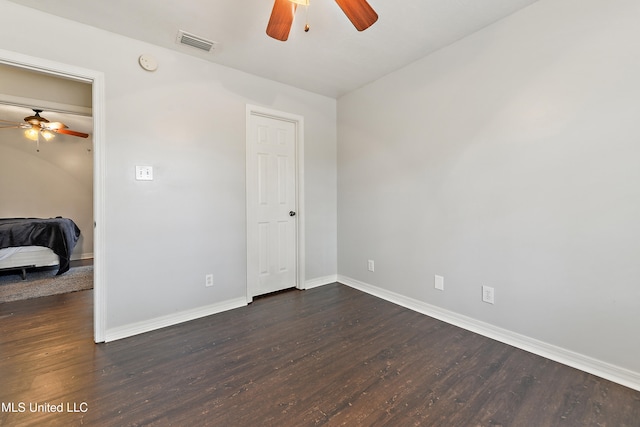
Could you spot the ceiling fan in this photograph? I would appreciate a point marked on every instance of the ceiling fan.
(37, 125)
(359, 12)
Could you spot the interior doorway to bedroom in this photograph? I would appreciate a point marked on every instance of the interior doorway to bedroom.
(45, 179)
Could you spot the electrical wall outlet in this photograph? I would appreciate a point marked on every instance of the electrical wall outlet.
(208, 280)
(439, 282)
(371, 265)
(488, 294)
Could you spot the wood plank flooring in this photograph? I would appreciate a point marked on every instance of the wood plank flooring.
(330, 356)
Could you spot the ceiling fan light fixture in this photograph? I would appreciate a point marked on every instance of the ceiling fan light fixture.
(301, 2)
(31, 133)
(36, 125)
(47, 134)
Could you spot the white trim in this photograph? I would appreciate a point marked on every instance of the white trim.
(579, 361)
(84, 255)
(320, 281)
(300, 213)
(30, 103)
(172, 319)
(96, 78)
(99, 210)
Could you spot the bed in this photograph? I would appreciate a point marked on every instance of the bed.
(37, 242)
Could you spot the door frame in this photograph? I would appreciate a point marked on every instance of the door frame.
(298, 121)
(96, 78)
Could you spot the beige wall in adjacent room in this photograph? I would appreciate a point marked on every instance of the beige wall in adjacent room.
(57, 180)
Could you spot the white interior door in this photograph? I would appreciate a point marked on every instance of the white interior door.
(272, 205)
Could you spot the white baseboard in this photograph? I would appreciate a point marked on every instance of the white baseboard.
(320, 281)
(87, 255)
(579, 361)
(173, 319)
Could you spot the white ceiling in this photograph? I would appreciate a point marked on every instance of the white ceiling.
(332, 59)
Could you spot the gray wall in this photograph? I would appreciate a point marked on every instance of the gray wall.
(508, 159)
(187, 120)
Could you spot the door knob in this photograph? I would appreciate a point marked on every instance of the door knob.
(292, 213)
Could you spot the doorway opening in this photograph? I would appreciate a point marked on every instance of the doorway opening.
(96, 79)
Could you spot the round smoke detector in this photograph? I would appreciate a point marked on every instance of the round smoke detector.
(148, 62)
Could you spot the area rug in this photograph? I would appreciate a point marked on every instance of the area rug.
(44, 282)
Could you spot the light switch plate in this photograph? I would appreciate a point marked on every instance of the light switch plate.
(144, 173)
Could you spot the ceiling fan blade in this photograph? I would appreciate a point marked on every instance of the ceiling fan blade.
(281, 19)
(55, 126)
(359, 12)
(7, 124)
(10, 121)
(70, 132)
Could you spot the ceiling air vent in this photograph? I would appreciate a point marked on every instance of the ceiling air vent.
(195, 41)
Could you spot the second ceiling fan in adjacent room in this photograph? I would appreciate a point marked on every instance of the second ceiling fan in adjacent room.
(36, 125)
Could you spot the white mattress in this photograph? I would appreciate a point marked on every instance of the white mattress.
(27, 256)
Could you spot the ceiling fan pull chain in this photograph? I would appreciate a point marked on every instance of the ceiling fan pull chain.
(306, 18)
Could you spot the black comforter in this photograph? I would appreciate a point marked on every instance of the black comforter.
(58, 234)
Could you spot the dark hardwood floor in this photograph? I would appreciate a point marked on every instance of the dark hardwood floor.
(328, 356)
